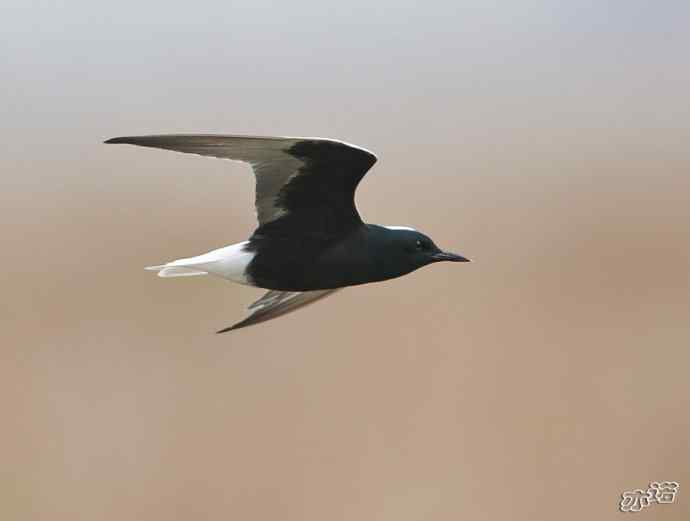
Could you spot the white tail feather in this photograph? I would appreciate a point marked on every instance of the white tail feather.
(229, 263)
(180, 272)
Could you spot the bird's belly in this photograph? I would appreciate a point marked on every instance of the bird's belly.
(301, 273)
(311, 263)
(289, 276)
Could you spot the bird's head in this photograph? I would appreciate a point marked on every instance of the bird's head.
(413, 250)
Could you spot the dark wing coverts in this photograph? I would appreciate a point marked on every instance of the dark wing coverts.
(303, 185)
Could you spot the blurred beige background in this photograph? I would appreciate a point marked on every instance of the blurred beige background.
(547, 142)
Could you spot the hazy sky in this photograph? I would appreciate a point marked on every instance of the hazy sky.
(505, 64)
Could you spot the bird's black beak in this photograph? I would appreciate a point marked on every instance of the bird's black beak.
(445, 256)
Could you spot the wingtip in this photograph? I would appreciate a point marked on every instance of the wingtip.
(114, 141)
(227, 329)
(237, 325)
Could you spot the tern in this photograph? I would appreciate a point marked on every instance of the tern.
(310, 241)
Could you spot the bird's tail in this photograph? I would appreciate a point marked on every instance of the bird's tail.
(229, 263)
(171, 269)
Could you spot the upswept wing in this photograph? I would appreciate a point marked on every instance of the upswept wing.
(276, 303)
(304, 184)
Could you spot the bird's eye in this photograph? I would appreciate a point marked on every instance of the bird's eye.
(420, 245)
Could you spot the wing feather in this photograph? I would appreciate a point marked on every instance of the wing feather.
(276, 303)
(331, 171)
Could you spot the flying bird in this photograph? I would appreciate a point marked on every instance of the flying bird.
(310, 241)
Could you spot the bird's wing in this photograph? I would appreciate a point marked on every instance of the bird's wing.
(276, 303)
(305, 184)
